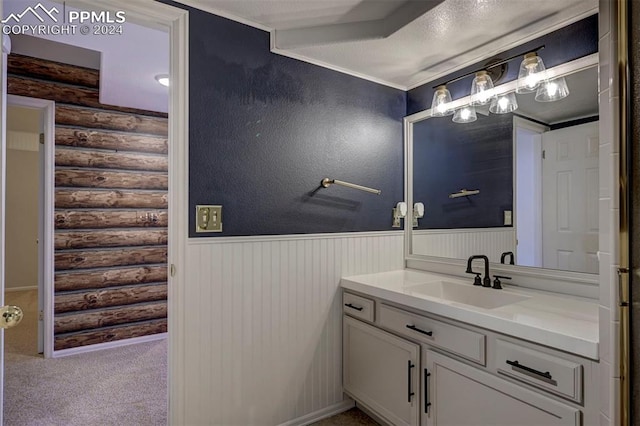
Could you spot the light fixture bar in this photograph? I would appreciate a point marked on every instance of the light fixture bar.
(497, 64)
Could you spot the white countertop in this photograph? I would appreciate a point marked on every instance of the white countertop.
(558, 321)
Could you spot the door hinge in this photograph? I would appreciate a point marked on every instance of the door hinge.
(622, 302)
(41, 138)
(41, 316)
(172, 270)
(544, 154)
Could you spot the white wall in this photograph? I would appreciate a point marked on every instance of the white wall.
(21, 267)
(264, 344)
(528, 203)
(463, 243)
(609, 211)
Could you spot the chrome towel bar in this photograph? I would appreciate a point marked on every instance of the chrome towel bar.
(464, 193)
(326, 182)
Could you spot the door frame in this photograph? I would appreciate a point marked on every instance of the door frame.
(176, 20)
(45, 247)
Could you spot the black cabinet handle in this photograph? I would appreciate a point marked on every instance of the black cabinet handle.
(426, 391)
(349, 305)
(414, 328)
(410, 392)
(546, 376)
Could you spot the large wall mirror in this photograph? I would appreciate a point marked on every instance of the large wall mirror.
(520, 187)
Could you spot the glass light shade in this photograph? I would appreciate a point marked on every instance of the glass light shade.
(482, 89)
(441, 104)
(466, 114)
(504, 104)
(532, 73)
(552, 90)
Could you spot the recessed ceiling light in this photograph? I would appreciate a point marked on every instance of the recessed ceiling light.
(163, 79)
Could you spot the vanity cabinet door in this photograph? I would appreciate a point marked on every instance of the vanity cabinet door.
(381, 371)
(456, 394)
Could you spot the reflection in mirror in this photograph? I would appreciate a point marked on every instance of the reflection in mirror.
(521, 187)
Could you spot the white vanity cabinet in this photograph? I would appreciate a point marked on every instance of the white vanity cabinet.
(414, 368)
(457, 394)
(381, 371)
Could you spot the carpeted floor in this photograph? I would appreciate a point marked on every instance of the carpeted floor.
(126, 385)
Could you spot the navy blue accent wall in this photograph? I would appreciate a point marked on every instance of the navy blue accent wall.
(566, 44)
(449, 157)
(265, 129)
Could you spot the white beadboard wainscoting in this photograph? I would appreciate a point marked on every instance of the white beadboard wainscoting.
(265, 344)
(462, 243)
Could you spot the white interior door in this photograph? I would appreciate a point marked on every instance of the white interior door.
(570, 189)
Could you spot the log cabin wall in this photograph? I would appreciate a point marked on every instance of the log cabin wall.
(111, 181)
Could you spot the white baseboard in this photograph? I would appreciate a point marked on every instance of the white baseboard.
(108, 345)
(329, 411)
(25, 288)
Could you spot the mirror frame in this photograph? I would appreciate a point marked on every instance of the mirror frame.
(558, 281)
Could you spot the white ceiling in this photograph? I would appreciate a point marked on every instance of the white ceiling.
(128, 63)
(396, 42)
(581, 102)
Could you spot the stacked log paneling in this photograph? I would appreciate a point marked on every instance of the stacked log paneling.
(111, 181)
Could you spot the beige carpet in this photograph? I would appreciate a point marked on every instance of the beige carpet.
(125, 385)
(111, 387)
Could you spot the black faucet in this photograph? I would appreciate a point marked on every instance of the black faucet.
(504, 256)
(486, 282)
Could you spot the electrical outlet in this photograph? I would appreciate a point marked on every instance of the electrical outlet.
(208, 218)
(507, 217)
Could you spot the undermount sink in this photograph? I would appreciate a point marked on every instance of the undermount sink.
(486, 298)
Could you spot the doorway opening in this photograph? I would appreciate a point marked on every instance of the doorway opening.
(27, 232)
(29, 229)
(174, 21)
(528, 184)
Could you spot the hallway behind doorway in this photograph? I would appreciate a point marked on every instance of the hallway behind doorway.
(126, 385)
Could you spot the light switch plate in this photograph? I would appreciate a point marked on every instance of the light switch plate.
(507, 217)
(208, 218)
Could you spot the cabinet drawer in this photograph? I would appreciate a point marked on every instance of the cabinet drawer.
(460, 341)
(540, 369)
(357, 306)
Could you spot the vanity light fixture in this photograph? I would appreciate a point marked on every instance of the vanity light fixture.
(504, 103)
(482, 89)
(440, 105)
(466, 114)
(532, 73)
(552, 90)
(532, 77)
(163, 79)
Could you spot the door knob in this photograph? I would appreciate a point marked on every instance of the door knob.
(10, 316)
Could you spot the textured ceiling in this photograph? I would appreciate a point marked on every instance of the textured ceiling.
(285, 14)
(450, 36)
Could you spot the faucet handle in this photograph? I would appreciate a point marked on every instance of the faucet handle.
(477, 280)
(496, 282)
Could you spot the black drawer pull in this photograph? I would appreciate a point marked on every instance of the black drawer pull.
(414, 328)
(426, 391)
(349, 305)
(546, 376)
(410, 392)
